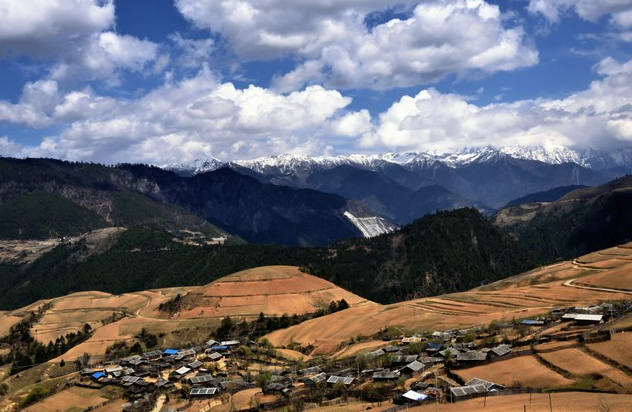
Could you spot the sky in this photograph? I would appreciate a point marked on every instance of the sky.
(169, 81)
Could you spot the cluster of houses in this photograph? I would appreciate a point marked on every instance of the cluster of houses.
(161, 369)
(169, 369)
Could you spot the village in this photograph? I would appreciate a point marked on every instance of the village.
(402, 370)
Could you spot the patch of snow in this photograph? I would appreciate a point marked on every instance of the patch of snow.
(370, 226)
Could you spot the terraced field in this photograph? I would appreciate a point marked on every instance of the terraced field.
(588, 280)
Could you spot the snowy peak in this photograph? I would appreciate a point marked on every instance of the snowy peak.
(300, 164)
(196, 167)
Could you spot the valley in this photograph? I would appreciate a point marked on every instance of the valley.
(351, 335)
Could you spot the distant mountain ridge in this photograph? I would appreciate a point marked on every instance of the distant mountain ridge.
(396, 185)
(295, 163)
(207, 203)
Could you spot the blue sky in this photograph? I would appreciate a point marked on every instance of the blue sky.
(169, 81)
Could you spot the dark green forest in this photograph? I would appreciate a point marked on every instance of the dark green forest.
(446, 252)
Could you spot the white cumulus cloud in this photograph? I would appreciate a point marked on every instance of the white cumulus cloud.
(619, 11)
(76, 37)
(195, 117)
(600, 116)
(336, 47)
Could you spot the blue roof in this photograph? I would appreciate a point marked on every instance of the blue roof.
(170, 352)
(432, 345)
(98, 375)
(220, 347)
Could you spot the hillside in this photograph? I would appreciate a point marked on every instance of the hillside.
(597, 277)
(269, 290)
(446, 252)
(121, 261)
(582, 221)
(440, 253)
(272, 290)
(202, 207)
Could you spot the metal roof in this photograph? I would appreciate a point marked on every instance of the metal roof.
(478, 381)
(201, 379)
(467, 390)
(403, 358)
(214, 355)
(318, 378)
(589, 318)
(472, 356)
(501, 350)
(183, 370)
(415, 396)
(311, 370)
(195, 364)
(203, 391)
(415, 366)
(131, 379)
(343, 379)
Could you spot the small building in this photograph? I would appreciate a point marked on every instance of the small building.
(471, 357)
(412, 339)
(333, 379)
(489, 386)
(152, 355)
(376, 353)
(465, 392)
(402, 359)
(449, 352)
(180, 372)
(316, 379)
(386, 375)
(170, 352)
(212, 357)
(500, 350)
(98, 375)
(587, 319)
(203, 392)
(195, 365)
(314, 370)
(220, 348)
(412, 368)
(201, 380)
(234, 385)
(391, 349)
(230, 343)
(415, 396)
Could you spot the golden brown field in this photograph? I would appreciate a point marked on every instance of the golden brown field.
(579, 363)
(532, 374)
(538, 402)
(76, 397)
(522, 296)
(617, 349)
(273, 290)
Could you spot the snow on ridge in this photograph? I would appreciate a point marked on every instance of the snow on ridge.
(289, 164)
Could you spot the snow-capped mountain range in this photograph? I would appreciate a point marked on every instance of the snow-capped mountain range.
(295, 163)
(404, 186)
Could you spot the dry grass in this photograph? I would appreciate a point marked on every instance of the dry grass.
(76, 397)
(538, 402)
(273, 290)
(617, 349)
(524, 371)
(581, 364)
(529, 294)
